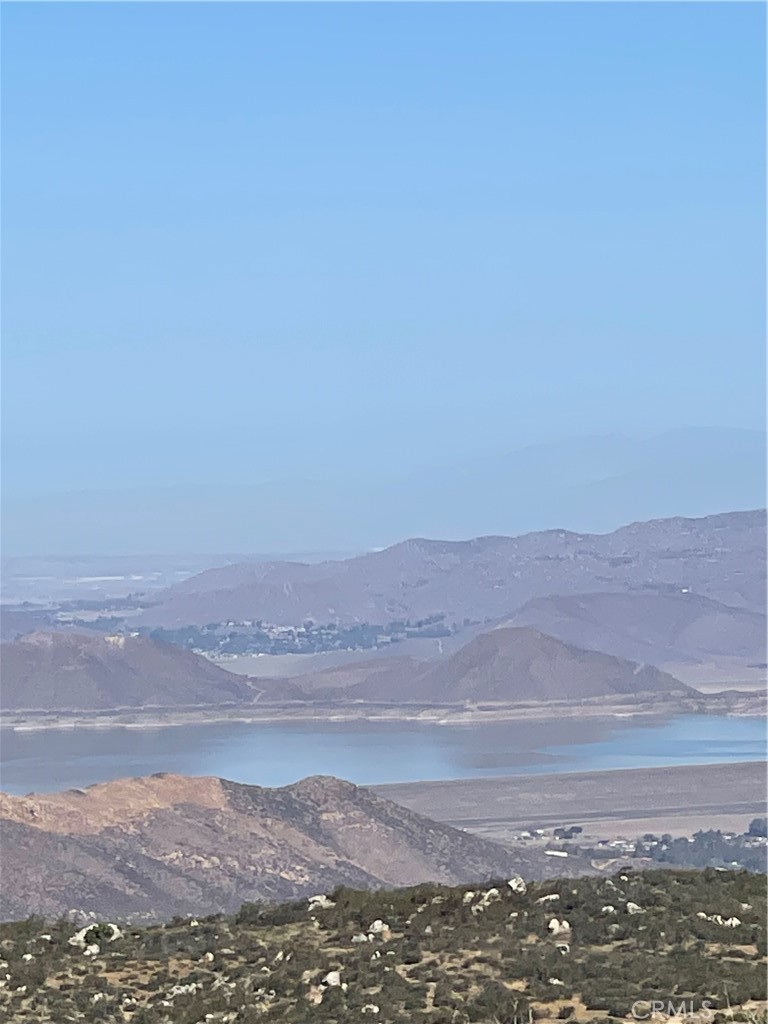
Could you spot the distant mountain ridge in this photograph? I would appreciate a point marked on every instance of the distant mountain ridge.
(71, 671)
(655, 628)
(720, 557)
(169, 844)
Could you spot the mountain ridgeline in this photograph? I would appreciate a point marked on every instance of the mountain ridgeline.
(153, 847)
(719, 557)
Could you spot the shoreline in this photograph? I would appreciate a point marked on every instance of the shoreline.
(737, 704)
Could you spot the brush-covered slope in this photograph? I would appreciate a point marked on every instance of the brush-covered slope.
(70, 671)
(438, 955)
(169, 844)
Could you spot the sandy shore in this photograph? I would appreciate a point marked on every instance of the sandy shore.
(734, 704)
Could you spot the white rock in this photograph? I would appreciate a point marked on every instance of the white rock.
(633, 908)
(608, 909)
(370, 1008)
(379, 927)
(93, 950)
(332, 979)
(548, 899)
(555, 981)
(517, 884)
(468, 897)
(558, 927)
(78, 939)
(320, 902)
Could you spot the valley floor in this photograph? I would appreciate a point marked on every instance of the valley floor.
(607, 804)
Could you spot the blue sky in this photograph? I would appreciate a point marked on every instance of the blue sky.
(244, 240)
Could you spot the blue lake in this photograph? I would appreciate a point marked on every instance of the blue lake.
(371, 752)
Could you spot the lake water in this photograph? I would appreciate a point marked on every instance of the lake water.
(276, 754)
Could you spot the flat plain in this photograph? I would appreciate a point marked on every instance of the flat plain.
(630, 801)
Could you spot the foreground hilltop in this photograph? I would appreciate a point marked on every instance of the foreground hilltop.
(73, 671)
(585, 950)
(504, 665)
(169, 844)
(721, 557)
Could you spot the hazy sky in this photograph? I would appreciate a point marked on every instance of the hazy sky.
(246, 240)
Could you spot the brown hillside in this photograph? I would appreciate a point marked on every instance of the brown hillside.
(171, 845)
(515, 664)
(69, 671)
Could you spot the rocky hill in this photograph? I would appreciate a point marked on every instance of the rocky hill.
(507, 665)
(585, 950)
(654, 628)
(167, 844)
(70, 671)
(721, 557)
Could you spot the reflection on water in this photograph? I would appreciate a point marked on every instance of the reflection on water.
(370, 752)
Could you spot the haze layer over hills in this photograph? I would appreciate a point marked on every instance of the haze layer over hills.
(591, 484)
(168, 845)
(720, 557)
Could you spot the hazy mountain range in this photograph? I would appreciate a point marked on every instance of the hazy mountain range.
(552, 615)
(586, 484)
(720, 557)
